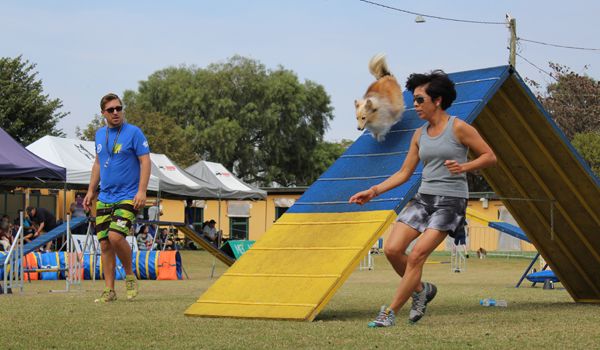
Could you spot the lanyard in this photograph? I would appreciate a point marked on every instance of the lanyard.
(110, 154)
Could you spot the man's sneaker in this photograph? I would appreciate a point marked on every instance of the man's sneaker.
(420, 301)
(385, 318)
(107, 296)
(131, 286)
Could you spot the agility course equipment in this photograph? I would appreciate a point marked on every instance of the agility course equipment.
(206, 244)
(53, 234)
(15, 263)
(296, 267)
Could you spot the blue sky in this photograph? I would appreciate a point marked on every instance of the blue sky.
(84, 49)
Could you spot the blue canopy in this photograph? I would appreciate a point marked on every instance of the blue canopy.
(17, 163)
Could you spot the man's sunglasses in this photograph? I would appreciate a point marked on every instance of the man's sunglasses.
(113, 109)
(419, 100)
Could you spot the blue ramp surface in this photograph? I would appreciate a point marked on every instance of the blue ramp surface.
(368, 162)
(510, 229)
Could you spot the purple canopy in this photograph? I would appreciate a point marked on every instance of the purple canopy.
(16, 162)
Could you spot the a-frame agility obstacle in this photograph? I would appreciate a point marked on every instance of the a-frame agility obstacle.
(298, 265)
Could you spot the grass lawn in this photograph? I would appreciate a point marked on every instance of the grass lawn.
(534, 318)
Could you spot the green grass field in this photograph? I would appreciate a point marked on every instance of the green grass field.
(534, 318)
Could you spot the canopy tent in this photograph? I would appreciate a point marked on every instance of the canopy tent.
(17, 163)
(176, 181)
(224, 184)
(77, 156)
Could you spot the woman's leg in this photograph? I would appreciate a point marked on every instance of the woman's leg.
(428, 241)
(397, 243)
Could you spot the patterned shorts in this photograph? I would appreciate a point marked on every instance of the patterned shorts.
(116, 217)
(441, 213)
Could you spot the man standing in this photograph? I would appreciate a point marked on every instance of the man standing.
(122, 168)
(43, 221)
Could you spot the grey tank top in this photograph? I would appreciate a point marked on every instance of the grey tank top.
(433, 152)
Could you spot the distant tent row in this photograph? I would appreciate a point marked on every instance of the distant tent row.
(68, 162)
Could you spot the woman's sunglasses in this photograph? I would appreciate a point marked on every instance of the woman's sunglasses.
(113, 109)
(419, 100)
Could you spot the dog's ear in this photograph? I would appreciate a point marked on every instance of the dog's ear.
(356, 104)
(369, 104)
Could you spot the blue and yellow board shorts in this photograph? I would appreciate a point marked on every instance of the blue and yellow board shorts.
(116, 217)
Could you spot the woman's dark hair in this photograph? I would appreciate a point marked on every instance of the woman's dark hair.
(142, 229)
(438, 85)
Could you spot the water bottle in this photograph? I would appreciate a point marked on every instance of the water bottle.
(492, 302)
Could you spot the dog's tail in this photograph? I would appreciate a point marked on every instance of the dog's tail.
(378, 67)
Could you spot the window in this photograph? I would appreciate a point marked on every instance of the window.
(282, 204)
(280, 211)
(238, 228)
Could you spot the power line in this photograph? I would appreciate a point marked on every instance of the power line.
(561, 46)
(478, 22)
(540, 69)
(429, 16)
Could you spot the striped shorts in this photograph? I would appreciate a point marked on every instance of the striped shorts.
(116, 217)
(442, 213)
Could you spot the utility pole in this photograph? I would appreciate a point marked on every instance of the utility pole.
(512, 28)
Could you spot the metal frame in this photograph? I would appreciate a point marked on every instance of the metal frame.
(13, 277)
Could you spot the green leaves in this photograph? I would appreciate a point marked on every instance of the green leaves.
(588, 144)
(263, 124)
(25, 112)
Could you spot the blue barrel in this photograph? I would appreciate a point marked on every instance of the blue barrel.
(50, 261)
(2, 255)
(145, 264)
(95, 261)
(91, 269)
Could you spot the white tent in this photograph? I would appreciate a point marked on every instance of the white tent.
(176, 181)
(210, 180)
(226, 185)
(77, 156)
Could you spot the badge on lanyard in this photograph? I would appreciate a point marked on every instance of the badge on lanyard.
(112, 151)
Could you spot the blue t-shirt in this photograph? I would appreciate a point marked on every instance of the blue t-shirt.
(120, 173)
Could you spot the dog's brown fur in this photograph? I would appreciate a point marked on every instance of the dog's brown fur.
(383, 104)
(481, 253)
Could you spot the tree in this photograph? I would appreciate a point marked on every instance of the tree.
(25, 112)
(89, 133)
(573, 100)
(263, 124)
(588, 145)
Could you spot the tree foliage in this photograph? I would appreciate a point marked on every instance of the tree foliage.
(573, 100)
(588, 145)
(26, 113)
(265, 125)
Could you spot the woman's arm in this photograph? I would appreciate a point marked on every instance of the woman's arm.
(397, 179)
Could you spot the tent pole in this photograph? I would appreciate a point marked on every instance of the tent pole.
(65, 201)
